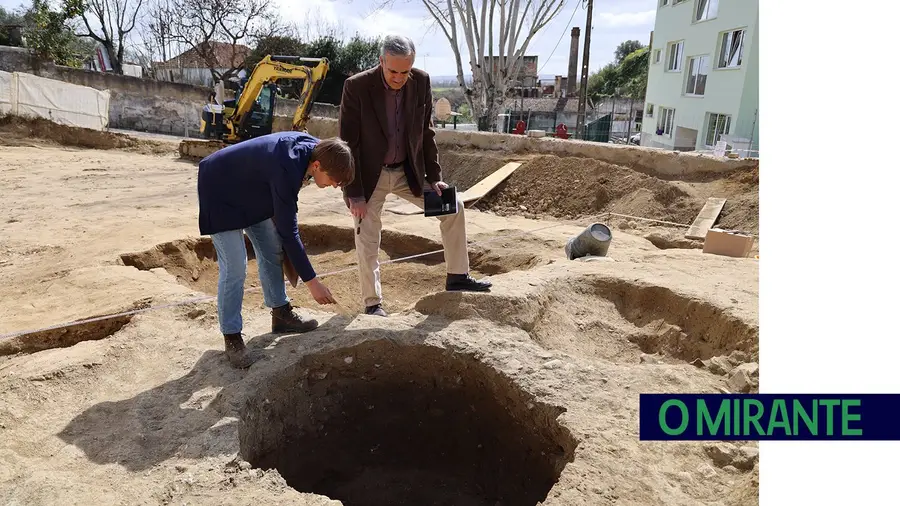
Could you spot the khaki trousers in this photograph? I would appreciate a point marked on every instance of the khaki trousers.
(368, 240)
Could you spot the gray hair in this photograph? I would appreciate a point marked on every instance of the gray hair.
(398, 45)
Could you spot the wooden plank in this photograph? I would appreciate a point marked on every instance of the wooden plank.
(706, 218)
(477, 191)
(483, 187)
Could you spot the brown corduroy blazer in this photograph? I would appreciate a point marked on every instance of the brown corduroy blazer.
(363, 124)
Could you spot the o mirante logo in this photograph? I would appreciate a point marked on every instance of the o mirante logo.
(769, 417)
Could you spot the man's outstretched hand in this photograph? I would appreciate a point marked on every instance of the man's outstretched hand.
(320, 292)
(438, 186)
(357, 207)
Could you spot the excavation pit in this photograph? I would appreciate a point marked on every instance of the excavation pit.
(384, 424)
(332, 248)
(612, 319)
(619, 320)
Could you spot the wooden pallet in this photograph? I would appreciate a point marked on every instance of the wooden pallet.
(706, 218)
(477, 191)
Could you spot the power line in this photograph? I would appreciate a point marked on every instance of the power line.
(569, 25)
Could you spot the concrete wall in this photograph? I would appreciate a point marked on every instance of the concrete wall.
(135, 103)
(729, 91)
(656, 162)
(287, 107)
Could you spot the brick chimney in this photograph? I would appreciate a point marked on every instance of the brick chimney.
(572, 81)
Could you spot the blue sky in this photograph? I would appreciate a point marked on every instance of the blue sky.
(614, 21)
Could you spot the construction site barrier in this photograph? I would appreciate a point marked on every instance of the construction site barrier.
(28, 95)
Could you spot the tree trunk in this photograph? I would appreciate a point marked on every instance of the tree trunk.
(115, 60)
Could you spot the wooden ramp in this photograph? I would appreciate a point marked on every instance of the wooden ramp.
(706, 218)
(477, 191)
(483, 187)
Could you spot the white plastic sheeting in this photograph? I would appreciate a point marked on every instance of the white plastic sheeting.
(64, 103)
(6, 92)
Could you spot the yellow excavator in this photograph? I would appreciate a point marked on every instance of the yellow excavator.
(252, 111)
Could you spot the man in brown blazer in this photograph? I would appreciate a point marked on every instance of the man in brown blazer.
(386, 119)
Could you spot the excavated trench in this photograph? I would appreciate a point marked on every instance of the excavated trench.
(331, 248)
(383, 424)
(91, 329)
(613, 319)
(619, 320)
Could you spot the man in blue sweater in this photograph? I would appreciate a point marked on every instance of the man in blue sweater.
(252, 187)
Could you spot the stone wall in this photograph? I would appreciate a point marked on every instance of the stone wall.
(318, 127)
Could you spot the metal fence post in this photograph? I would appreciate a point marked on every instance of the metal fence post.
(752, 129)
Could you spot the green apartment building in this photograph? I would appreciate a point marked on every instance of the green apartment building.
(703, 83)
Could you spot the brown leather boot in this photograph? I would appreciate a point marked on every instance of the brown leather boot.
(237, 353)
(284, 319)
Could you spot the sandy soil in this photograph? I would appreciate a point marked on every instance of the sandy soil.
(527, 393)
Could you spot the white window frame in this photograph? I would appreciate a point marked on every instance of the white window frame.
(675, 49)
(676, 2)
(702, 67)
(665, 122)
(713, 122)
(726, 44)
(657, 56)
(649, 112)
(663, 3)
(706, 10)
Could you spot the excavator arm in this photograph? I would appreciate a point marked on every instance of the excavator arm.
(272, 69)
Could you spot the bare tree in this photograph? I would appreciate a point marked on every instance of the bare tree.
(205, 26)
(109, 22)
(156, 40)
(496, 34)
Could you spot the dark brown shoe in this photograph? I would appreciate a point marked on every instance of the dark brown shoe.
(284, 319)
(466, 283)
(238, 354)
(376, 310)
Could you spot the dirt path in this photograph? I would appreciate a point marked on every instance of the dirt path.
(148, 411)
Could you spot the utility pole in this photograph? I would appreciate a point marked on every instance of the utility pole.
(582, 93)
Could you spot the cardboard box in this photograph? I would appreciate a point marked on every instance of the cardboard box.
(728, 243)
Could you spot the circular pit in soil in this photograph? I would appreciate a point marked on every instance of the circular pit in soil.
(387, 424)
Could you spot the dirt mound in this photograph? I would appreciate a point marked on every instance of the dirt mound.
(672, 240)
(573, 188)
(18, 131)
(333, 255)
(741, 212)
(464, 168)
(448, 429)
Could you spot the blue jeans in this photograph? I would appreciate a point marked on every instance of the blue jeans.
(232, 258)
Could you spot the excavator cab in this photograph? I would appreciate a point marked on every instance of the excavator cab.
(252, 112)
(262, 113)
